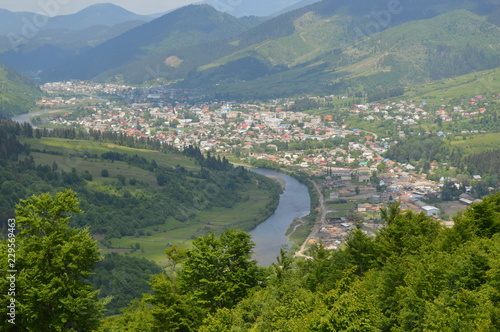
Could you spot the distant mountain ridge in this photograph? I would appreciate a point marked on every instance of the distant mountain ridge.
(240, 8)
(185, 27)
(105, 14)
(32, 42)
(454, 43)
(325, 46)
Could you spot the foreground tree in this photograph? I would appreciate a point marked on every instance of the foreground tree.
(218, 272)
(172, 311)
(53, 263)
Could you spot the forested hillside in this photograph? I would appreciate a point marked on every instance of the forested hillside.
(17, 93)
(421, 151)
(182, 28)
(122, 191)
(325, 55)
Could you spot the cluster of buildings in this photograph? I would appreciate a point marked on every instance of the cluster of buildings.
(348, 159)
(413, 114)
(84, 88)
(248, 130)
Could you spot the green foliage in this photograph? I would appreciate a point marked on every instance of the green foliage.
(114, 207)
(53, 263)
(123, 278)
(17, 93)
(484, 163)
(218, 271)
(171, 310)
(405, 233)
(175, 255)
(137, 317)
(482, 219)
(360, 249)
(428, 148)
(413, 276)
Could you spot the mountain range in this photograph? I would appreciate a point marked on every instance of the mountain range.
(262, 8)
(183, 28)
(33, 42)
(105, 14)
(368, 47)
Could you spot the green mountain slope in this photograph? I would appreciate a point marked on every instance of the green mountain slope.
(318, 57)
(17, 93)
(443, 91)
(185, 27)
(328, 46)
(50, 48)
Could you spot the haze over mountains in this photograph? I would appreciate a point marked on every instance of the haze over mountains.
(100, 14)
(32, 42)
(370, 47)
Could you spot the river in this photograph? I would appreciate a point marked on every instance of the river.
(269, 236)
(26, 117)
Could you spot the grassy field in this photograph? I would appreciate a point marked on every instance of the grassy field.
(486, 82)
(479, 143)
(152, 245)
(70, 149)
(73, 147)
(95, 166)
(339, 206)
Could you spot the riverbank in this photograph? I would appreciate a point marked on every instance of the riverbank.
(278, 179)
(27, 117)
(270, 236)
(300, 229)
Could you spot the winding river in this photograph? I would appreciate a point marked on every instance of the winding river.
(269, 237)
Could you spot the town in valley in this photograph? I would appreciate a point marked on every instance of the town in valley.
(347, 163)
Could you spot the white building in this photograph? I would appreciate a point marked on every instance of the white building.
(430, 210)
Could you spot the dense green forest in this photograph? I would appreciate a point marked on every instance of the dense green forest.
(414, 275)
(17, 93)
(125, 278)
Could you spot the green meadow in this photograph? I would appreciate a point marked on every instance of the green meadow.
(479, 143)
(480, 83)
(152, 243)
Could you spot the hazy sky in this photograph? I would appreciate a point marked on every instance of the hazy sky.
(62, 7)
